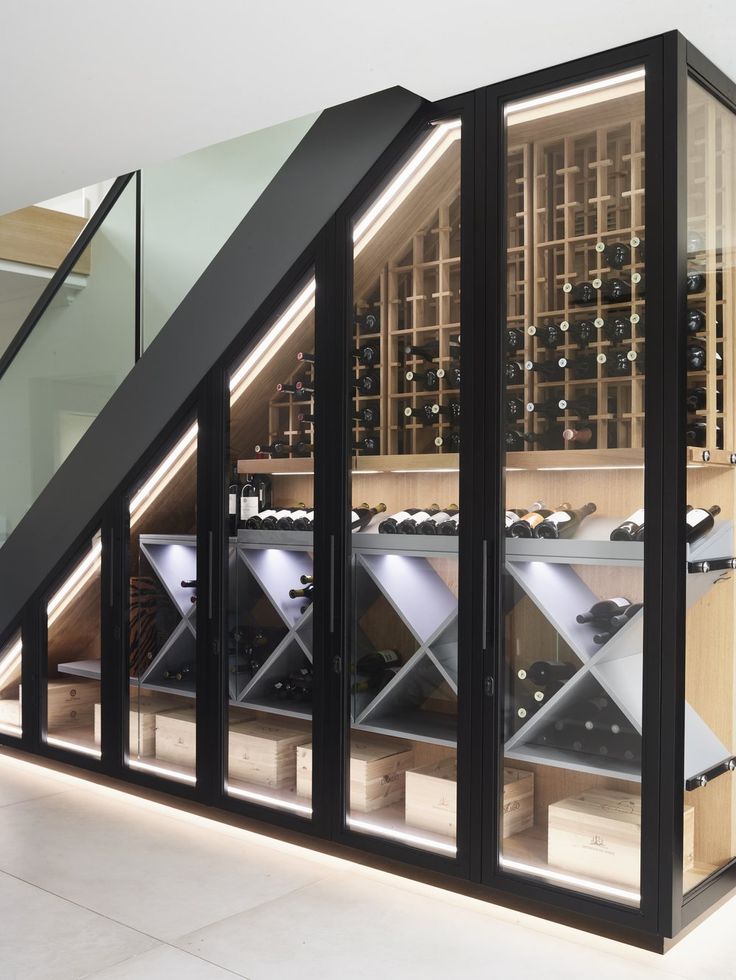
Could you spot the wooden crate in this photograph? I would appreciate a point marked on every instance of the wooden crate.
(264, 753)
(10, 712)
(377, 771)
(598, 834)
(431, 798)
(71, 704)
(176, 736)
(142, 723)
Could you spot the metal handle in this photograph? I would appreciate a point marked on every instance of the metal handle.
(332, 583)
(484, 594)
(111, 568)
(209, 577)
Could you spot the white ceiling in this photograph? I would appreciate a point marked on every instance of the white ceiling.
(91, 89)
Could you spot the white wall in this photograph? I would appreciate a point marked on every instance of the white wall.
(192, 205)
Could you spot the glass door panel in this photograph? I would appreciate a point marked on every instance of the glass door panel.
(405, 439)
(574, 429)
(73, 665)
(710, 681)
(270, 509)
(11, 656)
(161, 719)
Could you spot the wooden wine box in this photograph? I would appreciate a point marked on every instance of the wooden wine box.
(378, 769)
(431, 798)
(142, 724)
(71, 704)
(176, 736)
(598, 834)
(264, 753)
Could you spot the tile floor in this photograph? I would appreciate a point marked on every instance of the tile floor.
(94, 883)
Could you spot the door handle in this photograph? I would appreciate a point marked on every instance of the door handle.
(332, 583)
(209, 577)
(484, 597)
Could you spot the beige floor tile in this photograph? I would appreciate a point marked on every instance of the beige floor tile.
(164, 963)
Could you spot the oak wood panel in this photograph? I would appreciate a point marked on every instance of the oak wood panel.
(40, 236)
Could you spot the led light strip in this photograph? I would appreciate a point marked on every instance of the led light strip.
(182, 777)
(163, 474)
(268, 800)
(570, 93)
(401, 835)
(567, 879)
(62, 743)
(85, 571)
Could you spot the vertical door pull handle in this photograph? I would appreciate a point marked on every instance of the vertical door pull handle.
(111, 567)
(209, 577)
(484, 595)
(332, 583)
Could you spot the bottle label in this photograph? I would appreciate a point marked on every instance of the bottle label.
(620, 602)
(298, 513)
(248, 507)
(696, 516)
(232, 508)
(559, 517)
(419, 517)
(401, 516)
(636, 518)
(388, 656)
(443, 516)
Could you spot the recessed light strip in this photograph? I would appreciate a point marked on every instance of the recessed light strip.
(163, 474)
(570, 93)
(401, 835)
(567, 879)
(85, 571)
(268, 800)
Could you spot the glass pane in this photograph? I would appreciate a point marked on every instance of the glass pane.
(73, 706)
(710, 739)
(405, 424)
(570, 807)
(72, 362)
(162, 724)
(10, 688)
(191, 206)
(270, 563)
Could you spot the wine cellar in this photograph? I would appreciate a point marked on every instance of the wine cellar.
(496, 644)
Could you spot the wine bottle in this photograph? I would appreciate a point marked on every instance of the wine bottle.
(696, 357)
(550, 408)
(525, 526)
(513, 372)
(615, 291)
(180, 673)
(189, 583)
(368, 416)
(426, 352)
(549, 370)
(695, 242)
(432, 523)
(564, 522)
(516, 442)
(367, 384)
(430, 378)
(306, 592)
(424, 413)
(616, 622)
(368, 354)
(255, 523)
(368, 322)
(578, 437)
(249, 501)
(620, 362)
(696, 434)
(305, 522)
(514, 409)
(452, 377)
(547, 672)
(550, 336)
(514, 340)
(390, 524)
(277, 449)
(582, 293)
(628, 529)
(639, 281)
(584, 406)
(695, 282)
(306, 418)
(617, 329)
(694, 321)
(377, 660)
(233, 495)
(448, 443)
(579, 367)
(449, 411)
(305, 358)
(614, 255)
(583, 332)
(306, 579)
(270, 522)
(304, 389)
(302, 448)
(450, 528)
(363, 515)
(286, 389)
(514, 513)
(411, 522)
(699, 521)
(288, 521)
(368, 444)
(602, 611)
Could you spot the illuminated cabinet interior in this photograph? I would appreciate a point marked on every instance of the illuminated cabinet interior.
(437, 561)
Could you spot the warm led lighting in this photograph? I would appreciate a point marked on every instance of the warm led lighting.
(246, 794)
(85, 571)
(439, 469)
(366, 472)
(421, 162)
(567, 879)
(10, 663)
(182, 777)
(402, 835)
(62, 743)
(163, 474)
(298, 473)
(575, 92)
(10, 729)
(272, 341)
(587, 469)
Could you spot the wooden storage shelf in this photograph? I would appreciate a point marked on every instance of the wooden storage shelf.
(360, 464)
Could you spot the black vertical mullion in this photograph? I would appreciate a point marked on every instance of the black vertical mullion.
(138, 327)
(666, 502)
(331, 561)
(30, 676)
(112, 706)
